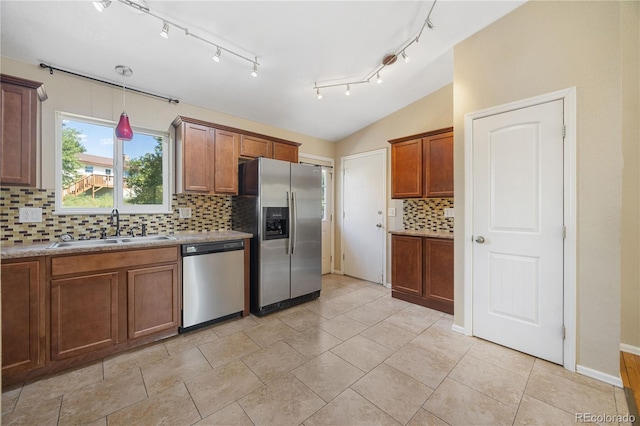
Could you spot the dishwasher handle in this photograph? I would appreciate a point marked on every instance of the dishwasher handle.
(211, 247)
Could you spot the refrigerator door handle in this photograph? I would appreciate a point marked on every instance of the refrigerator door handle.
(295, 222)
(289, 206)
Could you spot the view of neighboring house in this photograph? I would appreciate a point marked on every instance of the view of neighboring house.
(95, 177)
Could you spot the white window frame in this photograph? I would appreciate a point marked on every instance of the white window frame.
(118, 201)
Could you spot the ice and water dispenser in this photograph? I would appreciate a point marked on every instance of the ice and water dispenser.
(276, 223)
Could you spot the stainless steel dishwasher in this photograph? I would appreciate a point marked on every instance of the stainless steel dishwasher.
(212, 282)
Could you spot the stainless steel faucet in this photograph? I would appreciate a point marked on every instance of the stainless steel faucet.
(115, 213)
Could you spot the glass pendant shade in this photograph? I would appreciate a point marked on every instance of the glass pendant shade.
(123, 130)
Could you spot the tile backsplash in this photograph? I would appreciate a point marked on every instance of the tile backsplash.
(427, 214)
(208, 213)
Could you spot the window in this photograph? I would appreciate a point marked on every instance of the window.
(132, 176)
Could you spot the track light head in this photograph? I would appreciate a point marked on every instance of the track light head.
(318, 93)
(378, 78)
(406, 57)
(165, 30)
(348, 92)
(101, 5)
(217, 55)
(430, 24)
(254, 73)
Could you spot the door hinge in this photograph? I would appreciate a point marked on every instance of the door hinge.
(564, 332)
(564, 232)
(564, 131)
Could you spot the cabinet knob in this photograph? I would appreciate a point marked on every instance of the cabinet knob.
(480, 240)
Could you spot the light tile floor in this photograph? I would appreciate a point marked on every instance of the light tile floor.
(355, 356)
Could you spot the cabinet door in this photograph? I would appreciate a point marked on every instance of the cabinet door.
(23, 330)
(286, 152)
(197, 156)
(18, 143)
(406, 169)
(152, 300)
(225, 166)
(438, 274)
(253, 147)
(406, 264)
(84, 314)
(438, 165)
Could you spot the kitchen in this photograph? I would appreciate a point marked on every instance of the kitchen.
(604, 322)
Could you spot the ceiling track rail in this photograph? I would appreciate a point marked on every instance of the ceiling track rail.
(51, 69)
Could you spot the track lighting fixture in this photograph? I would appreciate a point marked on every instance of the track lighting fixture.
(165, 31)
(318, 94)
(141, 7)
(387, 60)
(101, 5)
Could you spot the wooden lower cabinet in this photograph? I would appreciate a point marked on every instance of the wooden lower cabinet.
(23, 315)
(84, 314)
(422, 271)
(152, 300)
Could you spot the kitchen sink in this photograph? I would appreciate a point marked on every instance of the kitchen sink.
(110, 241)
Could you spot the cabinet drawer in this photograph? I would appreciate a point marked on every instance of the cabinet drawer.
(111, 260)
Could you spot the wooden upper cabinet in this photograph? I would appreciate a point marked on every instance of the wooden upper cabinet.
(18, 138)
(422, 165)
(285, 151)
(197, 153)
(225, 163)
(23, 315)
(406, 169)
(438, 165)
(253, 147)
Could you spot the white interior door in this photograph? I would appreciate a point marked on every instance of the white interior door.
(518, 229)
(363, 233)
(327, 185)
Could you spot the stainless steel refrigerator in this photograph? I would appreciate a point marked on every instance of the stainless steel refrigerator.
(280, 203)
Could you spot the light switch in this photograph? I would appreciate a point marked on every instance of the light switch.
(30, 214)
(185, 212)
(391, 212)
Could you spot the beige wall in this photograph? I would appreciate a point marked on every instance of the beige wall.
(630, 238)
(80, 96)
(539, 48)
(432, 112)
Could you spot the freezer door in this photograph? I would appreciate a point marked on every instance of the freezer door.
(274, 276)
(306, 258)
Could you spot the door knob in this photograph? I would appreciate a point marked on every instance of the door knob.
(480, 240)
(378, 225)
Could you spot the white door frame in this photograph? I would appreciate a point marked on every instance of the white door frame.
(332, 208)
(568, 96)
(382, 151)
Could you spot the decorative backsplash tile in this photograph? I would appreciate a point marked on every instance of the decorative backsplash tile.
(427, 213)
(208, 213)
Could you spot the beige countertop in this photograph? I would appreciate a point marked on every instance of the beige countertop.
(41, 249)
(423, 233)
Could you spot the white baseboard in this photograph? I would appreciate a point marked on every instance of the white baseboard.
(599, 375)
(458, 329)
(635, 350)
(387, 285)
(337, 271)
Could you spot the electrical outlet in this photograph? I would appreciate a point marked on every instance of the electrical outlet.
(448, 212)
(391, 212)
(30, 214)
(185, 212)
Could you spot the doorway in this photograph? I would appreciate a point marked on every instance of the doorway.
(326, 165)
(363, 218)
(520, 226)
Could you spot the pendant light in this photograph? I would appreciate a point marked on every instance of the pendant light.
(123, 129)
